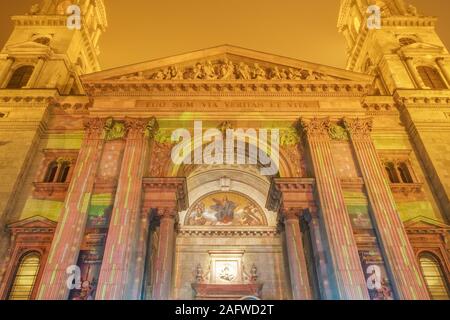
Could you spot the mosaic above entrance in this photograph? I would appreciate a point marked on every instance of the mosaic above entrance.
(225, 209)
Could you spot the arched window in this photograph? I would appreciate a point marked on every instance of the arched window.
(404, 173)
(64, 172)
(431, 77)
(58, 171)
(391, 172)
(20, 77)
(25, 277)
(434, 277)
(51, 172)
(406, 41)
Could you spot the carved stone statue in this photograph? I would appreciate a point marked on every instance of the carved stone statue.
(208, 71)
(35, 9)
(275, 74)
(412, 11)
(226, 69)
(199, 274)
(244, 71)
(175, 74)
(258, 72)
(197, 72)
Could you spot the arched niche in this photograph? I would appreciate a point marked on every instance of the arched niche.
(242, 180)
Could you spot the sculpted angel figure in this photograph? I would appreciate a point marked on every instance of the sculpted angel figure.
(258, 72)
(244, 71)
(226, 69)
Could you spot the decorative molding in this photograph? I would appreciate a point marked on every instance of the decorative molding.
(227, 88)
(358, 127)
(226, 69)
(228, 232)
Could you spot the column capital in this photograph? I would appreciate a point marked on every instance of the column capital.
(291, 213)
(359, 127)
(315, 126)
(95, 127)
(147, 126)
(167, 213)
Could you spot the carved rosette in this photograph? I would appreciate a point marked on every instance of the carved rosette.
(359, 128)
(315, 127)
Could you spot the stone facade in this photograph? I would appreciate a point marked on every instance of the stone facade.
(361, 191)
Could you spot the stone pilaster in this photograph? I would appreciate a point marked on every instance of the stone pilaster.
(392, 235)
(342, 250)
(165, 256)
(72, 222)
(301, 289)
(167, 196)
(115, 281)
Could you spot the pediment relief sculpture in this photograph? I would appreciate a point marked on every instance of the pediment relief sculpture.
(225, 69)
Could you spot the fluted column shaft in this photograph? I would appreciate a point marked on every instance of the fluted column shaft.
(71, 226)
(394, 241)
(346, 267)
(115, 280)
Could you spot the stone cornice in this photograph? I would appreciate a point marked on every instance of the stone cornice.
(228, 232)
(379, 105)
(227, 88)
(422, 98)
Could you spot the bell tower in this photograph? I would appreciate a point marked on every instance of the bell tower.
(403, 52)
(47, 50)
(411, 64)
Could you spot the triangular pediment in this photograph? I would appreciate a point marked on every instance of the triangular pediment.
(27, 47)
(424, 223)
(225, 63)
(35, 222)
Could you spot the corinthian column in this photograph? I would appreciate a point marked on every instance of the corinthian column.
(394, 241)
(343, 252)
(72, 222)
(115, 280)
(301, 289)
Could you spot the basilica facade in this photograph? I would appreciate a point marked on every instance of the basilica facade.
(225, 173)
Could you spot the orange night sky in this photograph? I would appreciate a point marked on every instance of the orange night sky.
(142, 30)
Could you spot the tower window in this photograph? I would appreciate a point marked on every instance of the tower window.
(406, 41)
(51, 172)
(404, 173)
(434, 277)
(20, 77)
(58, 172)
(398, 172)
(391, 172)
(25, 277)
(431, 77)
